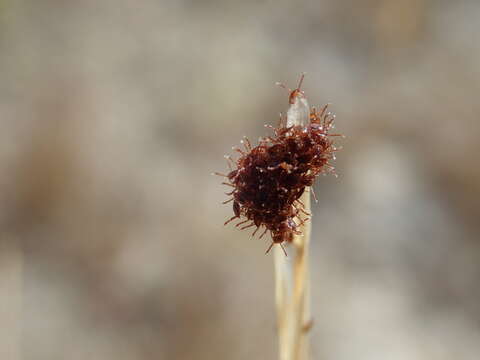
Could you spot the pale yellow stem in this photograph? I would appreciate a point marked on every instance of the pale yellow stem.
(292, 291)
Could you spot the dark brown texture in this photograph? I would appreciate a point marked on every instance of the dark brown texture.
(270, 178)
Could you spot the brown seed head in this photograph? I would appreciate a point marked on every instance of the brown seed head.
(270, 178)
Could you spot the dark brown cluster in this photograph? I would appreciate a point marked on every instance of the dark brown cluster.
(270, 178)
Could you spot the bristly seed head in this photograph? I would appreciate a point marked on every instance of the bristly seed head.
(270, 178)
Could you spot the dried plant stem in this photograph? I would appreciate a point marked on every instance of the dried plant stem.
(292, 287)
(292, 280)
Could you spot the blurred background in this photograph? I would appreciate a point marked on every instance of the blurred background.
(113, 115)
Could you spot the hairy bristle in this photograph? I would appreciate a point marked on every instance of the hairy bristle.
(270, 178)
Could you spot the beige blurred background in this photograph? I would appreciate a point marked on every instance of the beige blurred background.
(113, 115)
